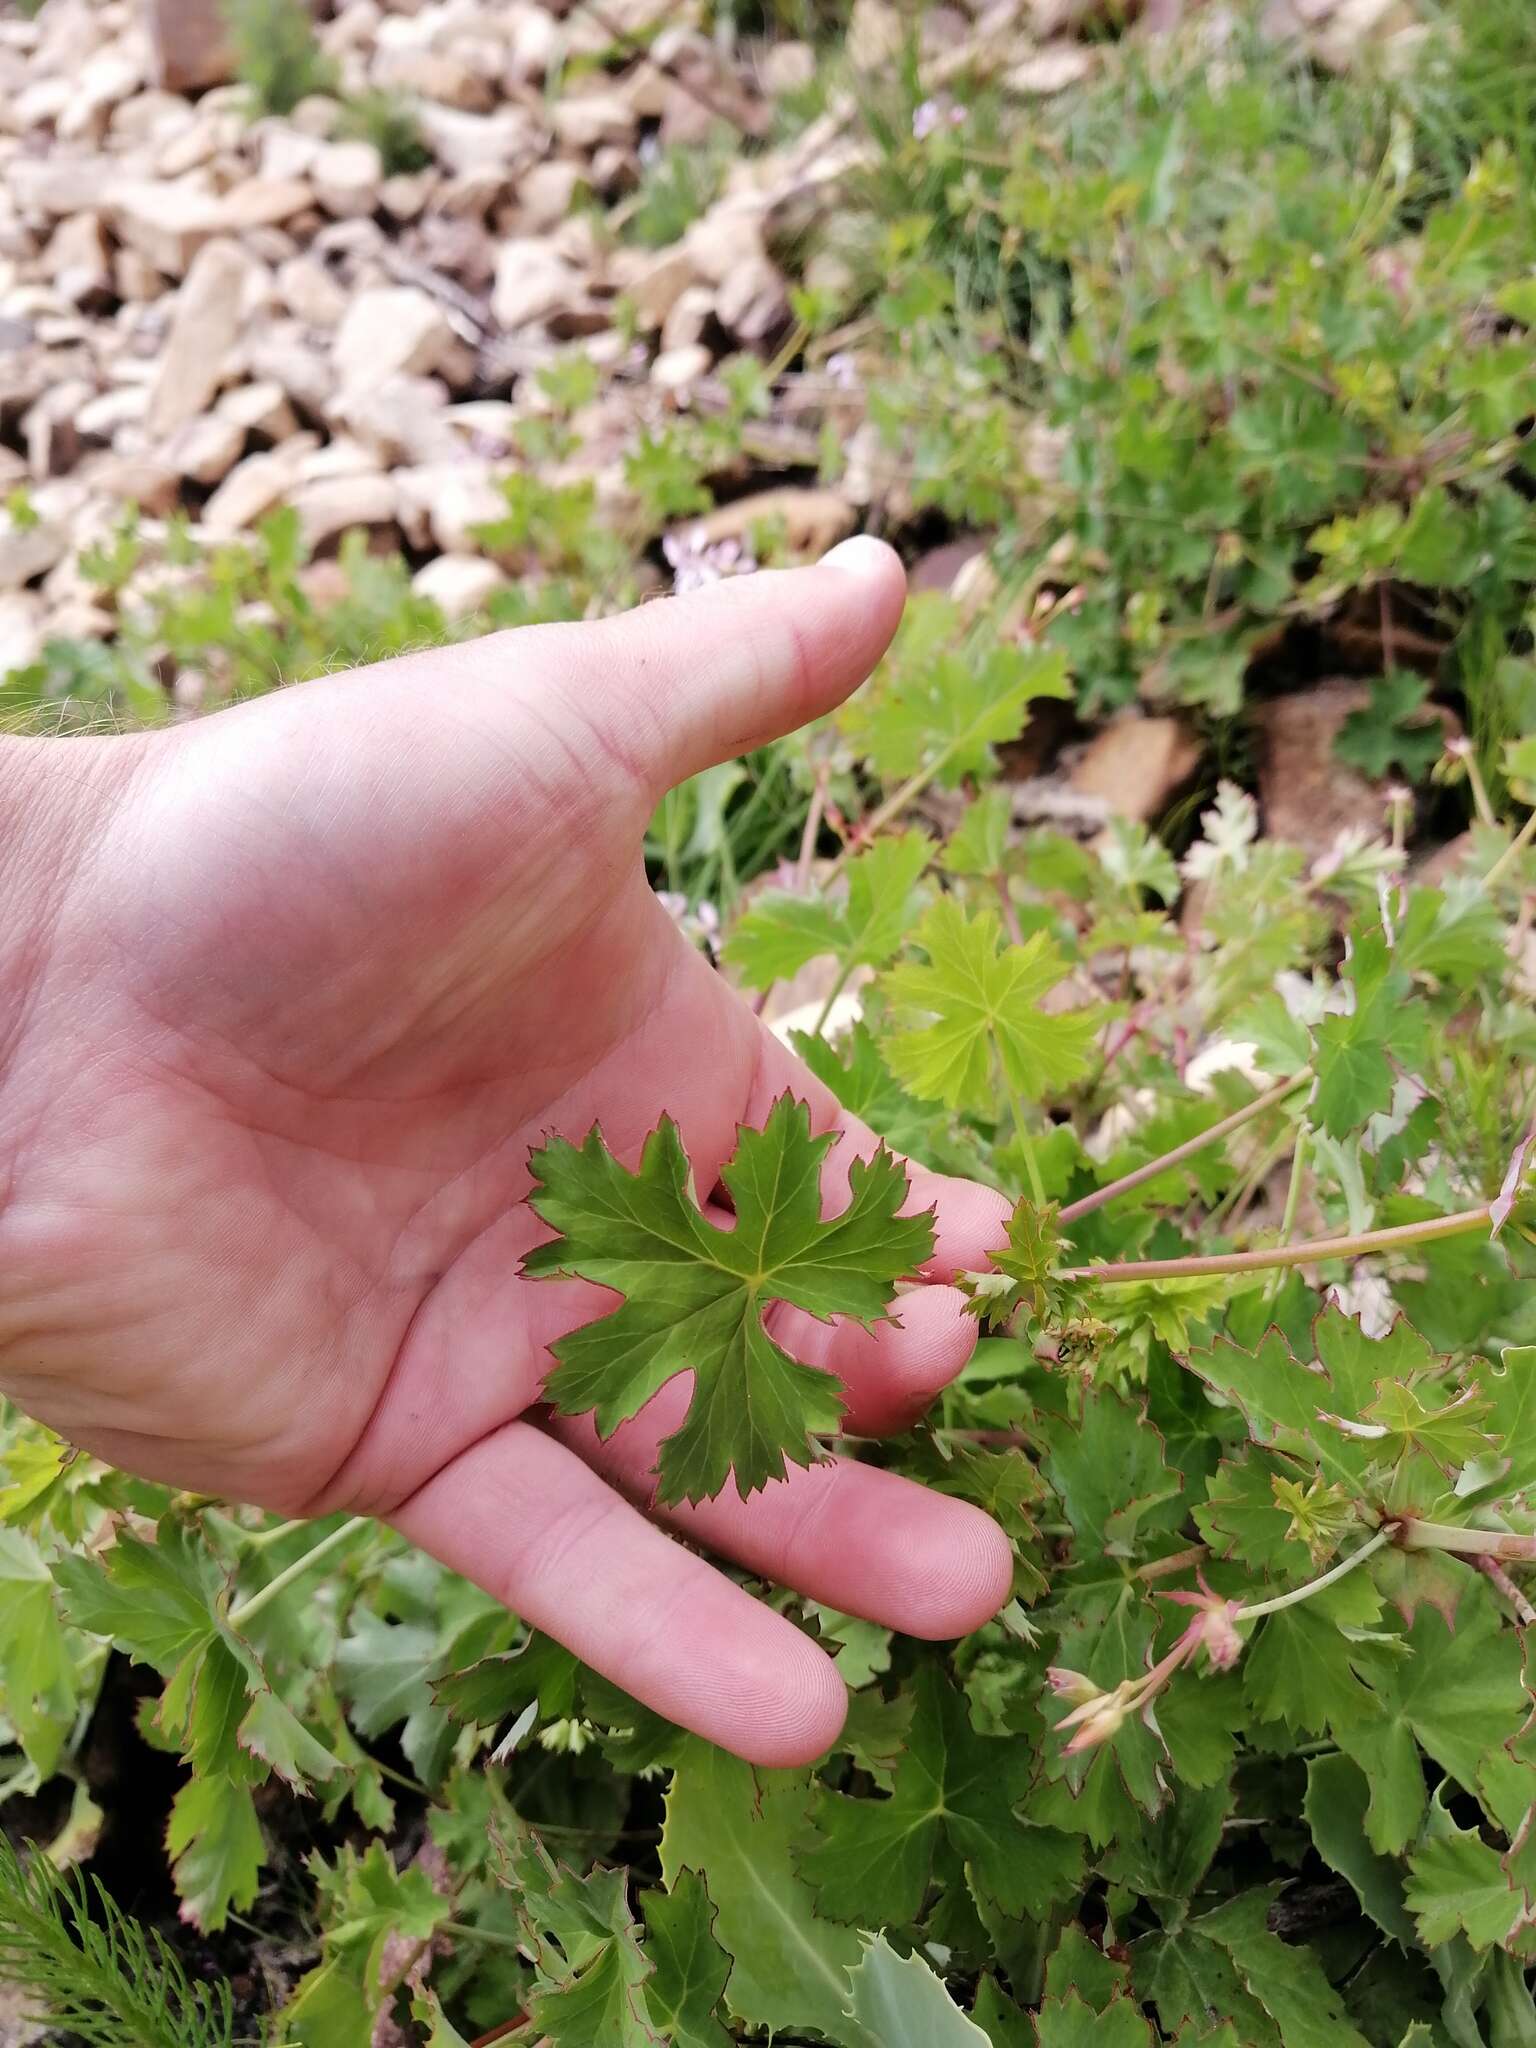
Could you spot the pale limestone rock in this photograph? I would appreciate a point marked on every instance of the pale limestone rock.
(813, 519)
(398, 328)
(101, 417)
(1137, 765)
(310, 292)
(344, 455)
(399, 420)
(27, 552)
(876, 33)
(653, 281)
(346, 177)
(436, 75)
(206, 448)
(317, 113)
(50, 430)
(532, 281)
(23, 629)
(109, 76)
(337, 504)
(166, 223)
(470, 195)
(404, 196)
(282, 353)
(689, 318)
(729, 235)
(286, 151)
(457, 584)
(134, 278)
(583, 122)
(534, 45)
(475, 142)
(545, 194)
(681, 368)
(1050, 70)
(78, 259)
(263, 202)
(752, 302)
(254, 487)
(133, 479)
(448, 501)
(204, 327)
(488, 426)
(787, 67)
(53, 187)
(146, 117)
(259, 408)
(39, 105)
(190, 145)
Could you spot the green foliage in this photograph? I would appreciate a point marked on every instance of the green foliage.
(390, 123)
(678, 184)
(1206, 343)
(1385, 733)
(696, 1293)
(276, 54)
(90, 1970)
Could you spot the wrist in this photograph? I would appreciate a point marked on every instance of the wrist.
(55, 797)
(58, 859)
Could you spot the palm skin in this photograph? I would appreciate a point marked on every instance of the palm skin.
(294, 992)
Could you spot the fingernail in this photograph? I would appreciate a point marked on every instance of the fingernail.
(860, 555)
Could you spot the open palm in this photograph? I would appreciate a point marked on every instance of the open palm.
(295, 991)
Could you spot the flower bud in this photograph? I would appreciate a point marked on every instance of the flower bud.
(1072, 1686)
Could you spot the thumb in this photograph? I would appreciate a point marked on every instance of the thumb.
(684, 682)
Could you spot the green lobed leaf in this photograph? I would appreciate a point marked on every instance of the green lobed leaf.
(873, 1859)
(974, 1006)
(688, 1966)
(741, 1832)
(696, 1294)
(901, 2002)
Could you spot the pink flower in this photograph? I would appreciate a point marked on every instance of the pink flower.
(1215, 1625)
(932, 115)
(696, 561)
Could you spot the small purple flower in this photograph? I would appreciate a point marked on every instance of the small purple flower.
(696, 561)
(932, 115)
(843, 371)
(699, 924)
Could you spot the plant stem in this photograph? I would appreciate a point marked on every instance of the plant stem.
(1504, 1585)
(1292, 1200)
(1339, 1571)
(461, 1930)
(1031, 1164)
(1366, 1241)
(246, 1610)
(1479, 789)
(1142, 1174)
(1512, 852)
(1417, 1535)
(832, 995)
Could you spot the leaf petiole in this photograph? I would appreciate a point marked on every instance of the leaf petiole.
(1339, 1571)
(1086, 1205)
(247, 1610)
(1398, 1237)
(1417, 1535)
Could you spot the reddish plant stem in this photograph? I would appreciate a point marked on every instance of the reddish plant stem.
(1502, 1583)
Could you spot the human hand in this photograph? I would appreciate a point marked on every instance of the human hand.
(289, 995)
